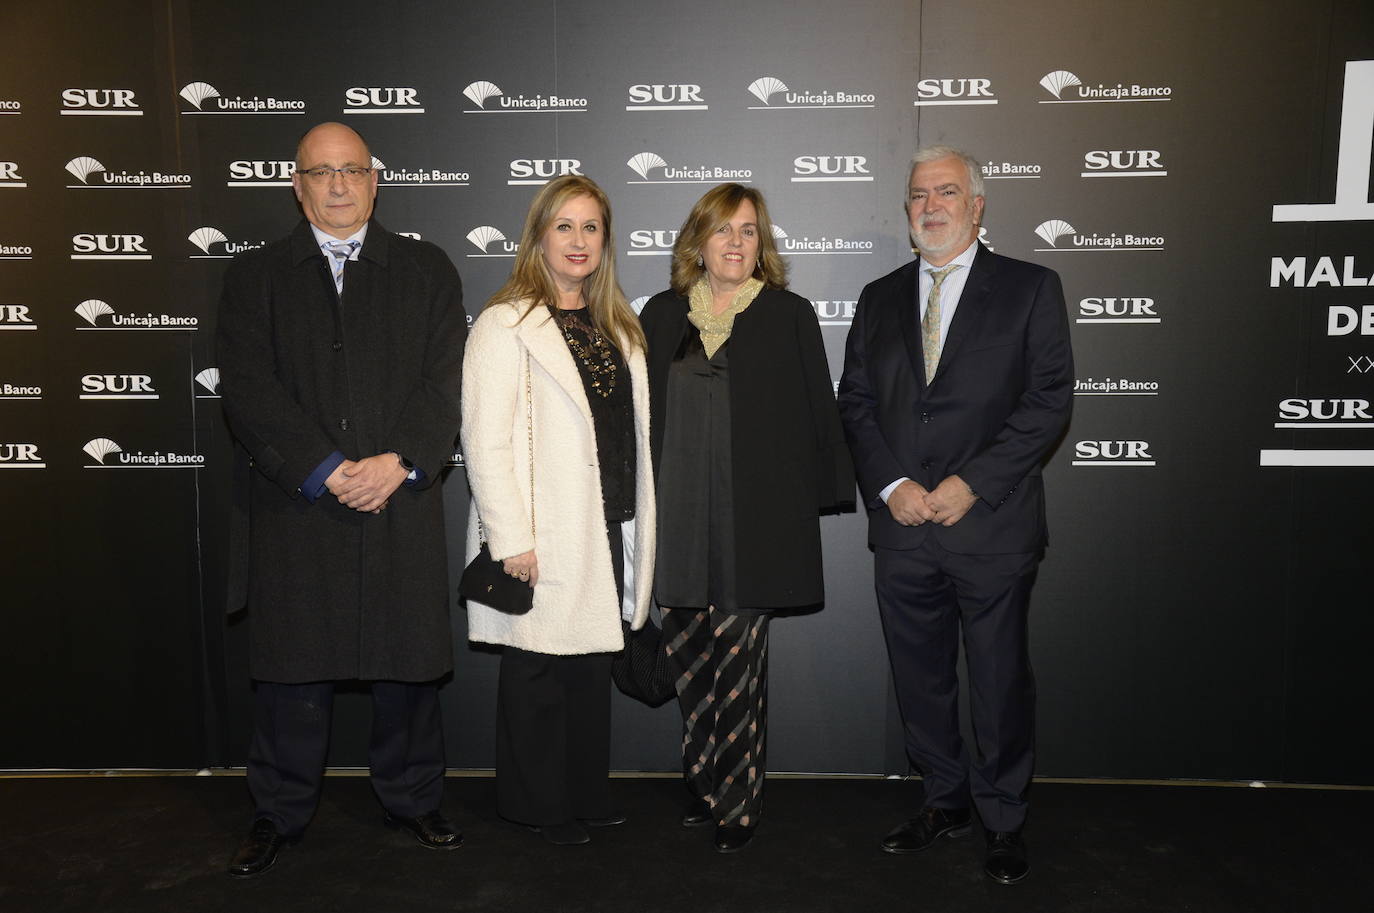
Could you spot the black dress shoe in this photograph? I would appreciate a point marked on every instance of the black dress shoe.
(697, 813)
(608, 821)
(731, 838)
(569, 833)
(431, 829)
(258, 850)
(929, 825)
(1006, 860)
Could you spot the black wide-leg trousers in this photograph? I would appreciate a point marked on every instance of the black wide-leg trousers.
(929, 597)
(286, 758)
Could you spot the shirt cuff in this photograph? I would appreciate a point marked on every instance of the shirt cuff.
(313, 486)
(887, 492)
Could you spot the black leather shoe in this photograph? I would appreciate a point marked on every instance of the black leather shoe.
(569, 833)
(929, 825)
(259, 850)
(432, 829)
(1006, 860)
(608, 821)
(697, 813)
(731, 838)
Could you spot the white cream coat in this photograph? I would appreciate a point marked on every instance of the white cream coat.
(575, 606)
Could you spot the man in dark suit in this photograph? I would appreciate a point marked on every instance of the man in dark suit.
(957, 383)
(340, 350)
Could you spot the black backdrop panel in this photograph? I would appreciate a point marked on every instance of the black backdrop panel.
(1203, 608)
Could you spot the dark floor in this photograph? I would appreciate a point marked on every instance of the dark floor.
(121, 844)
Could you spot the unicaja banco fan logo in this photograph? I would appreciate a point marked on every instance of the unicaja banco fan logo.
(483, 236)
(83, 167)
(490, 99)
(106, 454)
(208, 380)
(645, 162)
(1068, 89)
(421, 177)
(206, 99)
(1055, 230)
(92, 310)
(774, 94)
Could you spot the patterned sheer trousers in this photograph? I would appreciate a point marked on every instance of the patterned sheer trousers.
(721, 661)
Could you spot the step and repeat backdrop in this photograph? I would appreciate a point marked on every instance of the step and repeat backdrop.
(1200, 180)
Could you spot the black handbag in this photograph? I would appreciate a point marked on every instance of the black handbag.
(642, 670)
(485, 580)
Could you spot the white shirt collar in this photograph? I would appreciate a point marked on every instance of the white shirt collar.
(321, 237)
(965, 259)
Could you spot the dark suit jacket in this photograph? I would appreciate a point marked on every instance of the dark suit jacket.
(787, 447)
(996, 406)
(334, 593)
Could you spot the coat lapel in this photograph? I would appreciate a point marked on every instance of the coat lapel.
(549, 350)
(908, 308)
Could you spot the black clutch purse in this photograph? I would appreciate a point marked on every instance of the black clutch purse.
(641, 670)
(485, 581)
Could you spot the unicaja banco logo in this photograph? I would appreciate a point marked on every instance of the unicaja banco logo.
(1068, 89)
(209, 382)
(93, 310)
(766, 87)
(483, 236)
(774, 94)
(83, 167)
(1055, 83)
(99, 448)
(106, 454)
(1053, 230)
(421, 177)
(204, 237)
(823, 245)
(198, 92)
(481, 92)
(645, 162)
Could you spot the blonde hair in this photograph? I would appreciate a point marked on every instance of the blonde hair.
(708, 214)
(532, 284)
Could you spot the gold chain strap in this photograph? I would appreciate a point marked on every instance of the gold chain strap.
(529, 428)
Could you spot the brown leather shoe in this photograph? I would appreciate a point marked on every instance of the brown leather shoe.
(929, 825)
(259, 850)
(431, 829)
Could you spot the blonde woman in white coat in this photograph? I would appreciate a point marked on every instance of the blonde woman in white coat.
(557, 358)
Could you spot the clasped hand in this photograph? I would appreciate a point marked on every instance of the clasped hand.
(911, 504)
(366, 485)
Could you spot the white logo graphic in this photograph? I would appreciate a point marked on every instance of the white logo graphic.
(645, 162)
(1323, 273)
(93, 309)
(20, 391)
(664, 97)
(9, 175)
(9, 106)
(117, 386)
(651, 242)
(821, 245)
(765, 87)
(109, 455)
(482, 238)
(1055, 229)
(1352, 158)
(958, 90)
(481, 92)
(537, 172)
(260, 173)
(16, 252)
(109, 247)
(637, 305)
(100, 102)
(209, 237)
(359, 100)
(1117, 310)
(1345, 319)
(810, 169)
(1115, 386)
(204, 237)
(1123, 163)
(1346, 414)
(1060, 83)
(20, 456)
(16, 317)
(206, 99)
(209, 380)
(835, 313)
(1011, 171)
(1112, 453)
(424, 177)
(83, 167)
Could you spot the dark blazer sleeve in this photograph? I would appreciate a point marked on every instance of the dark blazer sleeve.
(834, 469)
(426, 427)
(1043, 408)
(875, 465)
(285, 442)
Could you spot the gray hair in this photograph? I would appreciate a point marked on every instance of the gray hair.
(934, 153)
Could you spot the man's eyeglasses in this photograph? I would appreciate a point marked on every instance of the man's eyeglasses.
(351, 175)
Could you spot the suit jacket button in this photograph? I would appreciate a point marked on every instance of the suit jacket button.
(925, 464)
(343, 424)
(337, 346)
(925, 418)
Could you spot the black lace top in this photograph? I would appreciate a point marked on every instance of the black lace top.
(606, 378)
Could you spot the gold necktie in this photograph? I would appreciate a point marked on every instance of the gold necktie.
(930, 323)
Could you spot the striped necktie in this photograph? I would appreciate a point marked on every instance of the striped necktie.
(930, 323)
(341, 252)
